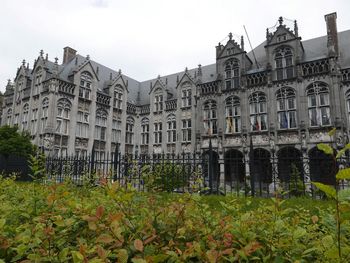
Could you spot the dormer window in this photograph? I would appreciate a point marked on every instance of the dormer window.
(284, 63)
(232, 74)
(38, 80)
(118, 98)
(85, 85)
(186, 97)
(158, 101)
(281, 37)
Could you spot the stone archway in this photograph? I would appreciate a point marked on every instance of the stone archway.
(290, 163)
(234, 167)
(323, 167)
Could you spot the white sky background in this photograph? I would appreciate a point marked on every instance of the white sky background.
(150, 37)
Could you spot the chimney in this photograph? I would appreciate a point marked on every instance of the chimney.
(68, 54)
(332, 34)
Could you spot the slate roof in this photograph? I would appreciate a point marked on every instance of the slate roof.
(315, 48)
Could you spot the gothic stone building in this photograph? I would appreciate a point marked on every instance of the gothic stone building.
(285, 95)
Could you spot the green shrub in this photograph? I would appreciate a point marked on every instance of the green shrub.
(114, 224)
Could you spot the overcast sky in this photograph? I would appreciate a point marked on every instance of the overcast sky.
(147, 37)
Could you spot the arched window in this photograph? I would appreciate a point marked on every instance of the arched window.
(232, 74)
(101, 124)
(157, 132)
(258, 112)
(171, 128)
(348, 104)
(118, 97)
(286, 108)
(9, 116)
(145, 131)
(186, 130)
(129, 134)
(158, 100)
(85, 85)
(186, 97)
(38, 79)
(83, 120)
(284, 63)
(116, 129)
(318, 103)
(44, 113)
(63, 115)
(210, 117)
(25, 114)
(233, 115)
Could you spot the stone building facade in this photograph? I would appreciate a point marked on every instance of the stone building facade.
(284, 95)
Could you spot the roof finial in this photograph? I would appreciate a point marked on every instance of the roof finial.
(158, 76)
(267, 34)
(56, 60)
(27, 65)
(24, 62)
(87, 57)
(199, 70)
(230, 36)
(41, 53)
(186, 70)
(119, 72)
(242, 43)
(47, 57)
(296, 28)
(280, 20)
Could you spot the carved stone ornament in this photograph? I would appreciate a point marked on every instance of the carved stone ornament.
(320, 136)
(233, 141)
(157, 149)
(288, 138)
(205, 143)
(260, 139)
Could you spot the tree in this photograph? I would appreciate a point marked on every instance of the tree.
(14, 142)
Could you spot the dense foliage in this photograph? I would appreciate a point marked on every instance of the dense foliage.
(64, 223)
(14, 142)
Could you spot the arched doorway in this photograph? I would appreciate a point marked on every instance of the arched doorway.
(261, 170)
(322, 167)
(289, 164)
(212, 182)
(291, 171)
(234, 169)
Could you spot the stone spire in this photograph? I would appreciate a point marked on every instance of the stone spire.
(199, 70)
(296, 33)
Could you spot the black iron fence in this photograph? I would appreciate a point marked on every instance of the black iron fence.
(15, 165)
(258, 174)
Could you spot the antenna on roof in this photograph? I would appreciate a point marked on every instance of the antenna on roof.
(250, 44)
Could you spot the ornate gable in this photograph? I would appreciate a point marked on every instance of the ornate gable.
(282, 33)
(87, 64)
(231, 48)
(186, 77)
(158, 84)
(119, 80)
